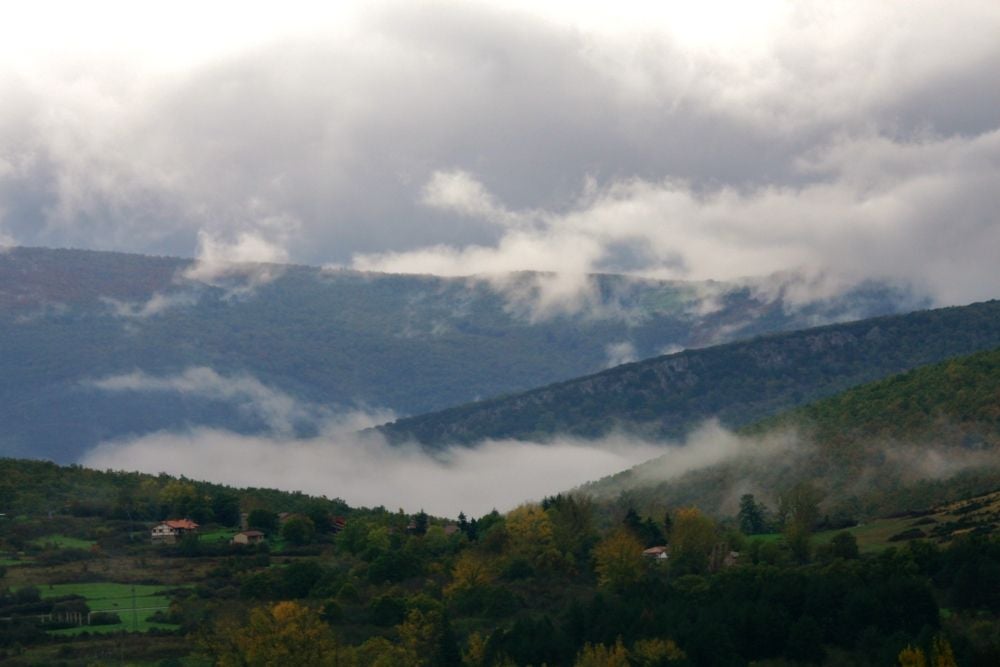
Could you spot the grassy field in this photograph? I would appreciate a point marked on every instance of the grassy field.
(942, 524)
(118, 598)
(112, 597)
(65, 542)
(225, 534)
(10, 562)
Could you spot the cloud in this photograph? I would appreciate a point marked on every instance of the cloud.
(471, 138)
(712, 466)
(367, 471)
(250, 258)
(280, 411)
(159, 303)
(238, 268)
(873, 207)
(620, 353)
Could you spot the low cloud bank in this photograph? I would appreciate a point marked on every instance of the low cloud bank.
(363, 469)
(368, 471)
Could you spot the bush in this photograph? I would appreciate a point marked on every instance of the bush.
(105, 618)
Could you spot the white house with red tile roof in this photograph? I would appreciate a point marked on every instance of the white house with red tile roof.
(172, 530)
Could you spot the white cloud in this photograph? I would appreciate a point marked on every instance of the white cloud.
(157, 304)
(250, 257)
(704, 139)
(619, 353)
(367, 471)
(278, 410)
(877, 208)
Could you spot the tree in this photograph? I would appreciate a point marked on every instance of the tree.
(179, 499)
(420, 523)
(320, 516)
(299, 530)
(285, 633)
(693, 540)
(572, 518)
(844, 545)
(529, 530)
(751, 516)
(226, 508)
(262, 519)
(655, 652)
(429, 640)
(799, 507)
(941, 653)
(800, 504)
(472, 570)
(912, 657)
(601, 656)
(618, 560)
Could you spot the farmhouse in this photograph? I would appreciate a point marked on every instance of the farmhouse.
(172, 530)
(657, 553)
(248, 537)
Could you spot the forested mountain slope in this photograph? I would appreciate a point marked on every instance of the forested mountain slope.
(333, 339)
(910, 441)
(737, 382)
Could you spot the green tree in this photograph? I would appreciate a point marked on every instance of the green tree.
(799, 507)
(844, 545)
(262, 519)
(420, 522)
(751, 515)
(299, 530)
(693, 540)
(226, 508)
(285, 633)
(618, 560)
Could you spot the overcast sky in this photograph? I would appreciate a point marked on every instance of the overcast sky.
(681, 139)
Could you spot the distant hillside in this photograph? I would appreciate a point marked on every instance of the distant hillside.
(910, 441)
(737, 382)
(326, 339)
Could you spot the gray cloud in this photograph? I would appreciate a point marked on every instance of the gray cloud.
(275, 408)
(860, 139)
(495, 474)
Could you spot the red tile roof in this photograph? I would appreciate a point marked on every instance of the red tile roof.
(181, 524)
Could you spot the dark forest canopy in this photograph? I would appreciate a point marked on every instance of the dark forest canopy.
(564, 582)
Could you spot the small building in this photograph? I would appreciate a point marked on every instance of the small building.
(172, 530)
(248, 537)
(657, 553)
(337, 524)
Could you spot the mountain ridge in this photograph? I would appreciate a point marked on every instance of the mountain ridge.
(341, 340)
(666, 396)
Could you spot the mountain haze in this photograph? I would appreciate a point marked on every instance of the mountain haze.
(99, 346)
(907, 442)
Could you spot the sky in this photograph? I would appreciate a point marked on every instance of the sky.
(709, 140)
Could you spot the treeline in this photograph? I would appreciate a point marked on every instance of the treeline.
(567, 581)
(40, 488)
(544, 585)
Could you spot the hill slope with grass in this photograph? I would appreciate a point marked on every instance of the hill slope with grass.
(329, 339)
(907, 442)
(738, 383)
